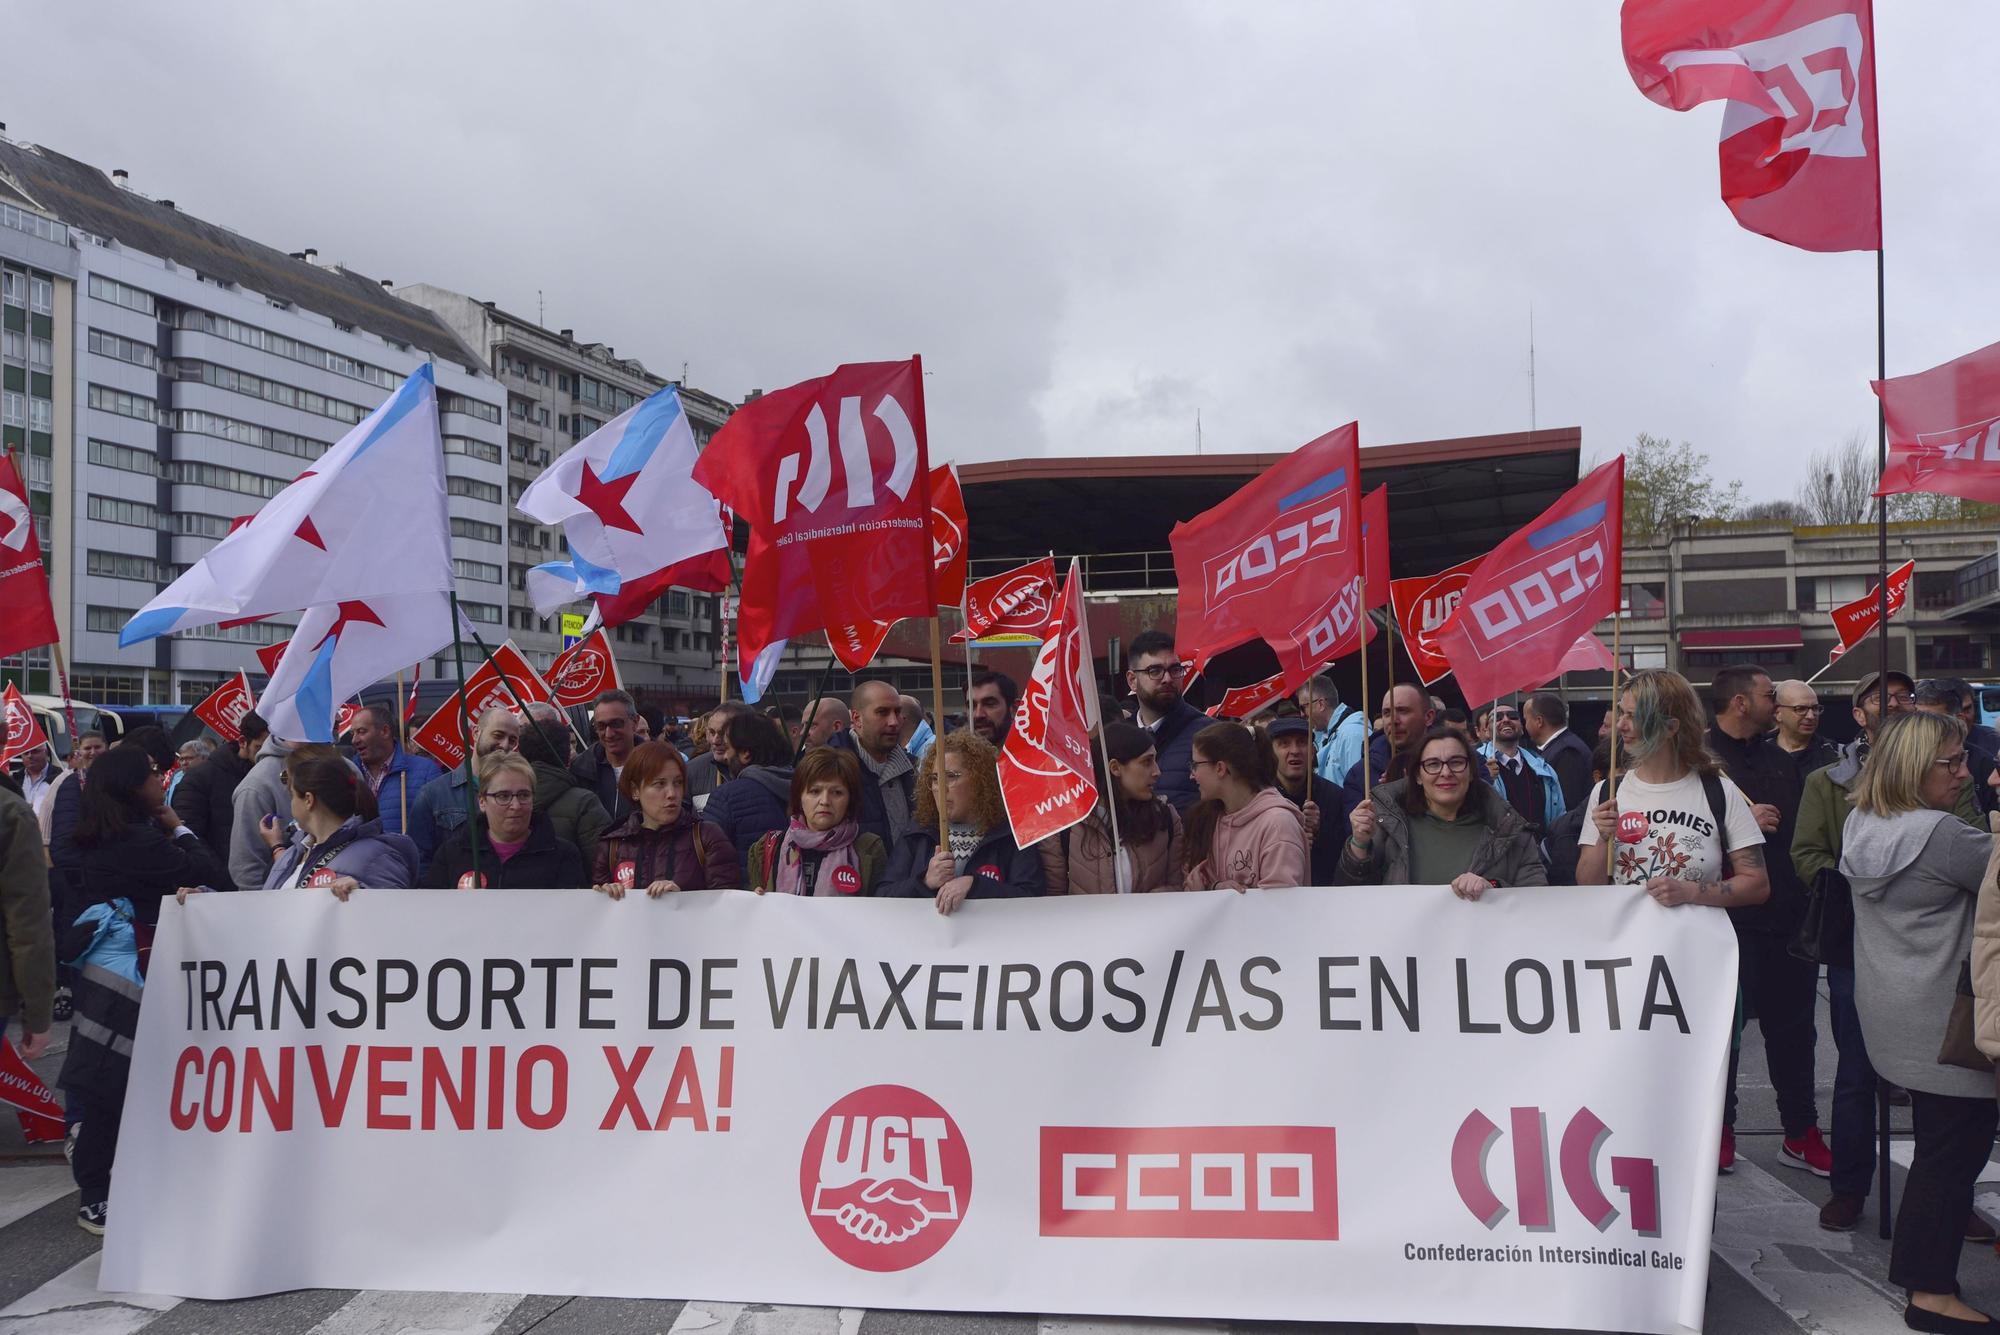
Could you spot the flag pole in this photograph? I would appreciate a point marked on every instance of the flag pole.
(513, 695)
(1110, 796)
(402, 724)
(55, 647)
(1367, 717)
(465, 756)
(1881, 467)
(1611, 778)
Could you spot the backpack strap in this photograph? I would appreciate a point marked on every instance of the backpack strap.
(1718, 806)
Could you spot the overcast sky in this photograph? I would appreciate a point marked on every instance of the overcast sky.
(1092, 220)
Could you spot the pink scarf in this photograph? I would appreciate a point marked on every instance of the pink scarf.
(837, 844)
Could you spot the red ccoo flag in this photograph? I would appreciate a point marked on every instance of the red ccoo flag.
(1375, 546)
(1243, 701)
(226, 705)
(1047, 781)
(1278, 561)
(1944, 428)
(27, 617)
(584, 671)
(1799, 155)
(834, 479)
(1540, 591)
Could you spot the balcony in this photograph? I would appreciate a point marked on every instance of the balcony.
(1975, 589)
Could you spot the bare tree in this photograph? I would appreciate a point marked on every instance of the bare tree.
(1784, 511)
(1839, 485)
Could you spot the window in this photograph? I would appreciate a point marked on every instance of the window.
(459, 403)
(243, 433)
(131, 298)
(13, 346)
(474, 449)
(14, 288)
(41, 415)
(109, 400)
(272, 391)
(483, 612)
(41, 296)
(1950, 653)
(119, 565)
(111, 619)
(227, 479)
(563, 382)
(523, 409)
(677, 602)
(107, 344)
(200, 526)
(290, 349)
(478, 491)
(13, 408)
(34, 224)
(257, 632)
(41, 354)
(124, 456)
(479, 570)
(473, 529)
(1820, 593)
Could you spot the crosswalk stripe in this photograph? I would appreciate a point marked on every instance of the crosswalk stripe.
(396, 1312)
(1757, 1216)
(1902, 1151)
(1121, 1325)
(71, 1304)
(698, 1317)
(26, 1190)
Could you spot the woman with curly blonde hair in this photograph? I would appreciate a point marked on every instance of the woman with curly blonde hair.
(975, 856)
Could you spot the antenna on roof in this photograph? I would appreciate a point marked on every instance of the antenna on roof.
(541, 311)
(1197, 431)
(1531, 366)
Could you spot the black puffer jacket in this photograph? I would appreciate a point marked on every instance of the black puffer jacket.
(205, 796)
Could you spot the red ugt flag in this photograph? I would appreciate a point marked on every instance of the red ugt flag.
(27, 618)
(1799, 157)
(1278, 561)
(1020, 602)
(1423, 606)
(1047, 781)
(584, 671)
(226, 705)
(833, 476)
(1540, 591)
(1853, 621)
(1944, 428)
(24, 730)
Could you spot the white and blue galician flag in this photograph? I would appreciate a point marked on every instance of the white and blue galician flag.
(366, 520)
(341, 647)
(628, 503)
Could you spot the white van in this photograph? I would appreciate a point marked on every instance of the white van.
(50, 714)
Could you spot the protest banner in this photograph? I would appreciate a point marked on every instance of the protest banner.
(1375, 1104)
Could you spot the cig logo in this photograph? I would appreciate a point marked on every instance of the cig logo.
(1534, 1196)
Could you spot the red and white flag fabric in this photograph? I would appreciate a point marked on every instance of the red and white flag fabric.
(584, 671)
(833, 477)
(1375, 546)
(1588, 654)
(271, 655)
(1853, 621)
(27, 617)
(339, 649)
(226, 705)
(1799, 157)
(1278, 561)
(443, 735)
(34, 1104)
(1944, 428)
(1047, 781)
(1541, 590)
(345, 717)
(855, 644)
(24, 730)
(1243, 701)
(1020, 602)
(1422, 606)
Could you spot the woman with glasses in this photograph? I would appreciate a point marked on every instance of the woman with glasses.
(1244, 834)
(663, 846)
(341, 846)
(1439, 825)
(967, 851)
(508, 846)
(1916, 869)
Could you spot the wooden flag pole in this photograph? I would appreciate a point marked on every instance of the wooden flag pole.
(1367, 716)
(1110, 796)
(465, 757)
(1611, 778)
(402, 720)
(937, 706)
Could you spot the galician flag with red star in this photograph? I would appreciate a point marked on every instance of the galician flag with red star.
(628, 503)
(341, 647)
(366, 520)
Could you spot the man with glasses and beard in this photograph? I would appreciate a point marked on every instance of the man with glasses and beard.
(1527, 781)
(1154, 676)
(612, 717)
(1799, 715)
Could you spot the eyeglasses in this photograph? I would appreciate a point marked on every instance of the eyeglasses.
(609, 724)
(1198, 763)
(510, 799)
(1805, 709)
(1499, 714)
(1441, 764)
(1161, 671)
(1953, 763)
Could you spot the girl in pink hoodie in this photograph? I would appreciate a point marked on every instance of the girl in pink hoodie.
(1259, 838)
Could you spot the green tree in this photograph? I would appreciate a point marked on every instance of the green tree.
(1665, 483)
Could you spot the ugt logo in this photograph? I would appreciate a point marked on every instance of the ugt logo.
(885, 1178)
(855, 461)
(1534, 1198)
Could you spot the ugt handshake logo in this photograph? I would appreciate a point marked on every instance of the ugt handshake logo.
(885, 1178)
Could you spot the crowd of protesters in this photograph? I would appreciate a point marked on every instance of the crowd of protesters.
(1872, 859)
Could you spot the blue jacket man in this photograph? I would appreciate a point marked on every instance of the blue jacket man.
(1339, 733)
(1550, 808)
(1154, 677)
(397, 777)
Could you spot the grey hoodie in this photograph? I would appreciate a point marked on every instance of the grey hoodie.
(1916, 880)
(262, 793)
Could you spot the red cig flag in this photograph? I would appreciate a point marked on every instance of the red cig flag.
(1944, 428)
(27, 617)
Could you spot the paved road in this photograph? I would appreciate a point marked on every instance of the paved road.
(1775, 1272)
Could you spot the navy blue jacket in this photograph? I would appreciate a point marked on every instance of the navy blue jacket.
(1173, 739)
(874, 816)
(754, 803)
(1020, 871)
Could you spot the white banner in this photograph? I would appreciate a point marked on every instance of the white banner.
(1373, 1104)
